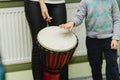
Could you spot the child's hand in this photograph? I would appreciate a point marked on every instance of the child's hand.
(68, 25)
(114, 44)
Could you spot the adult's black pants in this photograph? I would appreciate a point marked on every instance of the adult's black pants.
(36, 23)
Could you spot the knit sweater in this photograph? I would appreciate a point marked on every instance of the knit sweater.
(102, 18)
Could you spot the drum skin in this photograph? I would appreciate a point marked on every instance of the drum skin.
(57, 39)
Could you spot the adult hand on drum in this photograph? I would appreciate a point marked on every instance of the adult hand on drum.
(68, 25)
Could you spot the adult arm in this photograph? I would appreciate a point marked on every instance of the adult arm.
(44, 11)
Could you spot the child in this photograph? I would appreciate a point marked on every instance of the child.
(102, 21)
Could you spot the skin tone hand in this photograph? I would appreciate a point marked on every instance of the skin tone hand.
(44, 11)
(114, 44)
(68, 25)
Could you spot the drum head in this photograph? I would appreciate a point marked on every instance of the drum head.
(57, 39)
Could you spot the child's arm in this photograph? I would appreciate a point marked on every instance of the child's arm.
(116, 21)
(81, 13)
(78, 18)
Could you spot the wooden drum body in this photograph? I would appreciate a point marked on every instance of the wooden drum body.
(57, 46)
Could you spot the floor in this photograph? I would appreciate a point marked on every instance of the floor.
(86, 78)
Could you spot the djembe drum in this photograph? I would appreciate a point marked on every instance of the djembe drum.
(57, 46)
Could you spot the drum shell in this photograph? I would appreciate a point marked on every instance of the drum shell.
(56, 47)
(55, 60)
